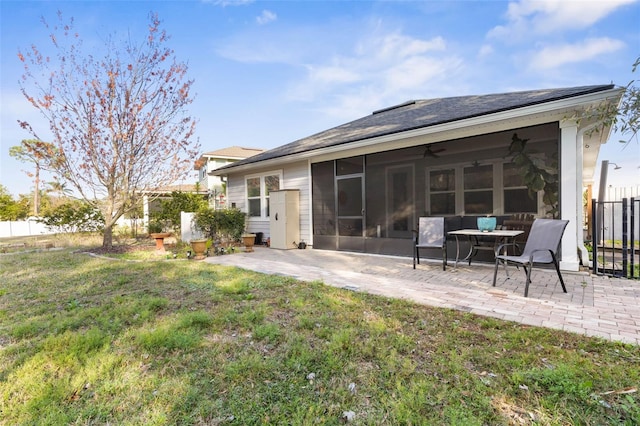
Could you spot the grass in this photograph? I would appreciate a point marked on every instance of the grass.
(87, 340)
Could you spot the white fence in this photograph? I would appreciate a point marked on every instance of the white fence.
(613, 212)
(618, 193)
(187, 232)
(23, 228)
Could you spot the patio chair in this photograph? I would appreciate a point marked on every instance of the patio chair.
(430, 234)
(519, 222)
(541, 248)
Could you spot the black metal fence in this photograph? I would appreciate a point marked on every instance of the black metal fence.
(616, 237)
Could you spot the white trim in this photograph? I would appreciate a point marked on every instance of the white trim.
(570, 175)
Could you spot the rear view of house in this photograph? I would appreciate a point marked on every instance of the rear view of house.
(363, 185)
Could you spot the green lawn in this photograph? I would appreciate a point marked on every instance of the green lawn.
(87, 340)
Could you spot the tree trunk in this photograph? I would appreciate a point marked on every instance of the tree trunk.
(36, 193)
(107, 237)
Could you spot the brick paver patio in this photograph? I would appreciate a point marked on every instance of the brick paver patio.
(594, 305)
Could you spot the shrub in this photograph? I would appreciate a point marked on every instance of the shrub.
(169, 214)
(74, 216)
(220, 224)
(155, 227)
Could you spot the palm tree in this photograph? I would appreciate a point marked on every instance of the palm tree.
(58, 188)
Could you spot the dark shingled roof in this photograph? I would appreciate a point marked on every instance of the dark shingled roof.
(420, 114)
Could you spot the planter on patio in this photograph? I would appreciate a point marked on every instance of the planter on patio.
(248, 240)
(199, 248)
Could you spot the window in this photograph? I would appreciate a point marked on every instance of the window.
(516, 194)
(442, 191)
(349, 166)
(478, 189)
(258, 189)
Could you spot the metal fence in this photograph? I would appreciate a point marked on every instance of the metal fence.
(616, 236)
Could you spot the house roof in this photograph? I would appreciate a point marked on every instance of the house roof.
(233, 152)
(168, 189)
(229, 153)
(420, 114)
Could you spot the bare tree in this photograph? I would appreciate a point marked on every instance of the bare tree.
(118, 119)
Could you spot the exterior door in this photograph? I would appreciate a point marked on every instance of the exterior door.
(350, 212)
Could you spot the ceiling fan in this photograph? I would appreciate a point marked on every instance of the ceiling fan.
(432, 153)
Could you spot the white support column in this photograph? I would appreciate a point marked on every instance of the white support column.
(570, 193)
(584, 253)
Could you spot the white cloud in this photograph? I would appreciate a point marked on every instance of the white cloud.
(266, 17)
(418, 71)
(398, 46)
(332, 75)
(555, 56)
(225, 3)
(380, 70)
(535, 17)
(485, 50)
(350, 76)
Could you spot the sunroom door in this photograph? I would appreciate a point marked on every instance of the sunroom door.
(350, 217)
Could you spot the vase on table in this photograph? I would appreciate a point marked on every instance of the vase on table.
(486, 224)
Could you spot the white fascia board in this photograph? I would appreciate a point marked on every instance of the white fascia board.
(526, 116)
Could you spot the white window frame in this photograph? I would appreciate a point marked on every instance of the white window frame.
(263, 189)
(539, 197)
(430, 192)
(498, 188)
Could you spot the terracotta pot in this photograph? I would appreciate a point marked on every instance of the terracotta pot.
(159, 237)
(248, 240)
(199, 247)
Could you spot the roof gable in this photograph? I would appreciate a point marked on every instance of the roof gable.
(233, 152)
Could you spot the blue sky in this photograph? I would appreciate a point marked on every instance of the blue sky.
(270, 72)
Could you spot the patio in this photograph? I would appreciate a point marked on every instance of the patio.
(594, 305)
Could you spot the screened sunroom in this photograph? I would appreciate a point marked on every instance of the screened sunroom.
(371, 203)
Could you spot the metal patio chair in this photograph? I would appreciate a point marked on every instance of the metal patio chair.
(430, 234)
(541, 248)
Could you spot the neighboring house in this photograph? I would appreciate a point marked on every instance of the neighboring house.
(209, 161)
(363, 185)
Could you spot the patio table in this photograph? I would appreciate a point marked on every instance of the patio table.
(500, 236)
